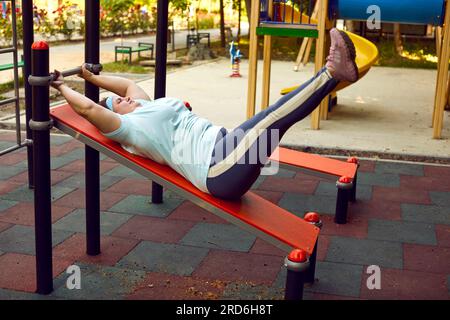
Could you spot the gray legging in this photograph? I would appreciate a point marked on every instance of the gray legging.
(239, 155)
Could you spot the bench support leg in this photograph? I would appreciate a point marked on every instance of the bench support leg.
(344, 186)
(353, 190)
(92, 201)
(157, 193)
(355, 178)
(314, 219)
(297, 264)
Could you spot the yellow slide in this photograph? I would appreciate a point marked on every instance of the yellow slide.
(366, 51)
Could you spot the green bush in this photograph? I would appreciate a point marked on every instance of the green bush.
(42, 23)
(206, 22)
(116, 17)
(124, 16)
(6, 29)
(67, 21)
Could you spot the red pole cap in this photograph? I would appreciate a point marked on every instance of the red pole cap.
(345, 179)
(312, 217)
(297, 255)
(40, 45)
(353, 160)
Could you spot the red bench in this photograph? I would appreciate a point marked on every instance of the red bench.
(315, 164)
(251, 213)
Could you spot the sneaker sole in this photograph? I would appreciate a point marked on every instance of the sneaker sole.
(351, 48)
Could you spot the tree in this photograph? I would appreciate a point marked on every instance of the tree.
(398, 39)
(248, 7)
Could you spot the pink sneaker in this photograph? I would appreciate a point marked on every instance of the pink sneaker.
(341, 61)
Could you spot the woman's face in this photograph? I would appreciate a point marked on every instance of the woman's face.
(124, 105)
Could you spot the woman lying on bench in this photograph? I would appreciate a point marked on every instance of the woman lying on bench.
(224, 164)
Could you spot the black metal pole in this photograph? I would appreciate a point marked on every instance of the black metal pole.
(28, 39)
(92, 159)
(344, 186)
(310, 274)
(40, 124)
(160, 71)
(352, 197)
(297, 264)
(354, 160)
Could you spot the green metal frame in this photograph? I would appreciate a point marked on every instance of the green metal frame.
(287, 32)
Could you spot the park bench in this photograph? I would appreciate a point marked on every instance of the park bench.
(142, 46)
(194, 37)
(9, 66)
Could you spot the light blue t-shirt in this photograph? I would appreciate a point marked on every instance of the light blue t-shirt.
(165, 131)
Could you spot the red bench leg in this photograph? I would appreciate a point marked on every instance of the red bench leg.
(297, 264)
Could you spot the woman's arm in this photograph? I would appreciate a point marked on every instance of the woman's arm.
(105, 120)
(120, 86)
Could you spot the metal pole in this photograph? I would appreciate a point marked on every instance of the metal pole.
(92, 159)
(344, 185)
(16, 71)
(28, 39)
(160, 71)
(40, 124)
(352, 196)
(314, 219)
(297, 264)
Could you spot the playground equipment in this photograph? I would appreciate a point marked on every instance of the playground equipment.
(235, 57)
(277, 18)
(252, 213)
(15, 65)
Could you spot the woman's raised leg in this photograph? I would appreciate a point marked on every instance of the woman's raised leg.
(239, 155)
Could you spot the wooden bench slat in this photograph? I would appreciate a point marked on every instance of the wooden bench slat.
(123, 50)
(251, 212)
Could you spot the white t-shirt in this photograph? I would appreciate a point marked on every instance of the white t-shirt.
(165, 131)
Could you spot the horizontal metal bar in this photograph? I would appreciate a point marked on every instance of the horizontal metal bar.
(77, 70)
(6, 101)
(15, 147)
(7, 50)
(47, 80)
(187, 195)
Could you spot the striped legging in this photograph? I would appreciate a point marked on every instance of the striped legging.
(239, 155)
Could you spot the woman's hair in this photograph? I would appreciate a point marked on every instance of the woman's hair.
(102, 102)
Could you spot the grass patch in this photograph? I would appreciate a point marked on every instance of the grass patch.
(9, 86)
(416, 54)
(123, 67)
